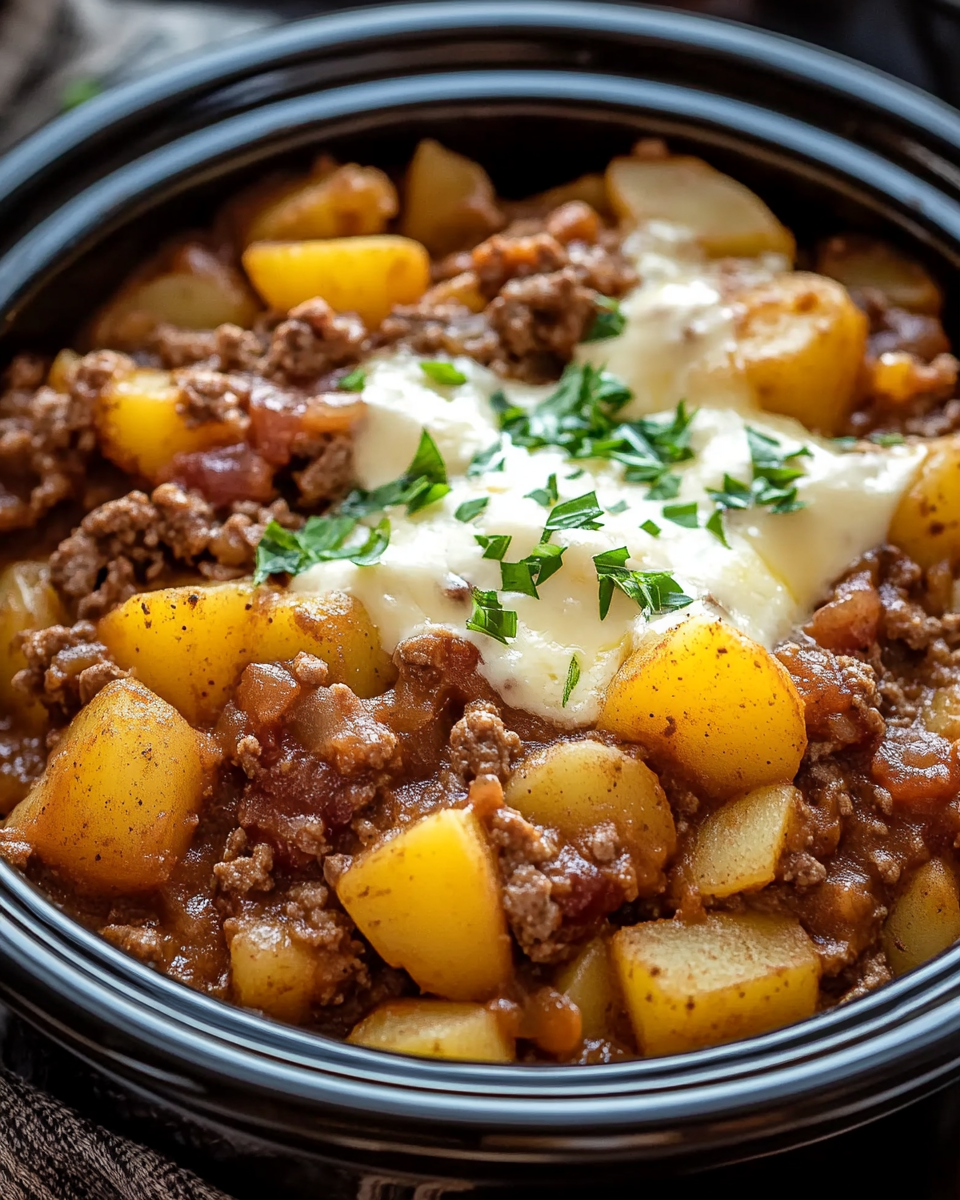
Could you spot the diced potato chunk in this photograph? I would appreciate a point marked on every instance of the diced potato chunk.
(727, 219)
(140, 428)
(590, 189)
(272, 971)
(801, 342)
(116, 807)
(926, 524)
(925, 918)
(348, 201)
(590, 982)
(572, 786)
(863, 262)
(27, 601)
(365, 275)
(739, 846)
(449, 202)
(429, 901)
(730, 976)
(941, 713)
(713, 701)
(435, 1029)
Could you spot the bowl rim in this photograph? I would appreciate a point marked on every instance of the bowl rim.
(636, 1104)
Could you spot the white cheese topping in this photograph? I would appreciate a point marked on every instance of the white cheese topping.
(678, 344)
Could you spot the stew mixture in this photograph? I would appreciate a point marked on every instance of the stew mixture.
(502, 630)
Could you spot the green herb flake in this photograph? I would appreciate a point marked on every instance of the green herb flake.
(887, 439)
(774, 478)
(573, 678)
(353, 381)
(546, 495)
(471, 508)
(652, 528)
(667, 487)
(491, 459)
(609, 320)
(322, 539)
(615, 509)
(495, 545)
(715, 526)
(682, 514)
(491, 618)
(444, 373)
(845, 444)
(423, 483)
(519, 577)
(653, 591)
(581, 513)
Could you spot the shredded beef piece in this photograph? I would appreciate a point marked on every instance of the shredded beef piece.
(330, 472)
(141, 941)
(904, 617)
(313, 340)
(481, 745)
(502, 258)
(212, 396)
(66, 668)
(242, 872)
(540, 320)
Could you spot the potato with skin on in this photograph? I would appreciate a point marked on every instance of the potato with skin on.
(859, 262)
(730, 976)
(27, 601)
(591, 983)
(924, 919)
(449, 202)
(574, 786)
(141, 428)
(271, 970)
(725, 217)
(707, 698)
(926, 524)
(115, 809)
(365, 275)
(435, 1029)
(738, 847)
(428, 900)
(332, 202)
(800, 342)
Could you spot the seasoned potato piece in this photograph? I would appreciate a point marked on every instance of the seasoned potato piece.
(727, 219)
(707, 697)
(27, 601)
(860, 262)
(941, 713)
(365, 275)
(461, 289)
(449, 202)
(435, 1029)
(429, 901)
(590, 189)
(116, 807)
(272, 971)
(739, 846)
(925, 918)
(801, 342)
(572, 786)
(730, 976)
(926, 524)
(347, 201)
(334, 627)
(590, 982)
(140, 428)
(62, 369)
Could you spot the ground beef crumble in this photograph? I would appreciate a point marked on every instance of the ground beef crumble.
(66, 668)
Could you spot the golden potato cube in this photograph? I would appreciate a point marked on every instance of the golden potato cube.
(863, 262)
(572, 786)
(801, 342)
(727, 219)
(730, 976)
(189, 645)
(141, 429)
(116, 808)
(738, 847)
(589, 189)
(435, 1029)
(349, 201)
(708, 698)
(429, 902)
(271, 970)
(590, 982)
(925, 918)
(334, 627)
(449, 202)
(62, 369)
(926, 524)
(941, 713)
(365, 275)
(27, 601)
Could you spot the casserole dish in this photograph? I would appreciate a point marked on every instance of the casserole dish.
(230, 1078)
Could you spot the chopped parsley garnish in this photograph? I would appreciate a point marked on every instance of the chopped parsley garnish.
(581, 513)
(491, 459)
(887, 439)
(609, 321)
(322, 539)
(573, 678)
(653, 591)
(490, 617)
(682, 514)
(615, 509)
(494, 544)
(471, 508)
(667, 487)
(845, 443)
(715, 526)
(652, 528)
(546, 495)
(423, 483)
(577, 474)
(443, 373)
(518, 577)
(353, 381)
(773, 485)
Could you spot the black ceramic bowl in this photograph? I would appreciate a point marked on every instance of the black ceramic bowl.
(540, 93)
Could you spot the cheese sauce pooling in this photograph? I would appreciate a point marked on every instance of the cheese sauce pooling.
(776, 568)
